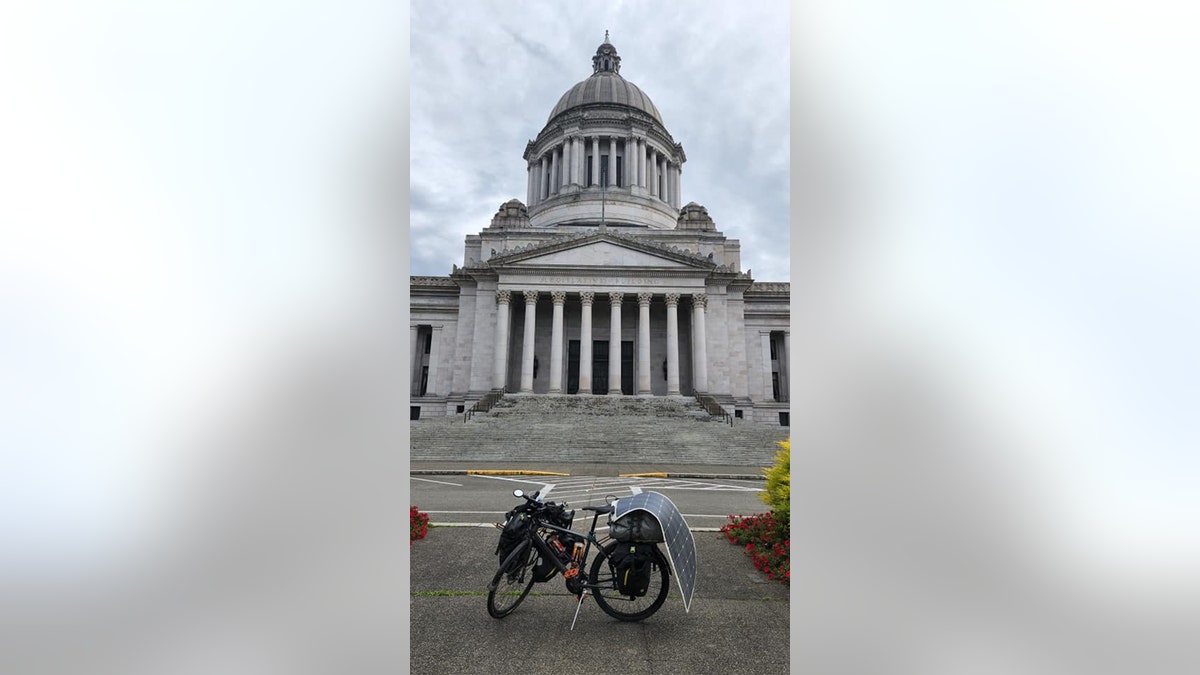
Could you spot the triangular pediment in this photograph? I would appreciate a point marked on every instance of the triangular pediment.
(602, 250)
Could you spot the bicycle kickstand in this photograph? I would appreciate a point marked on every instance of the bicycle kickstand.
(578, 605)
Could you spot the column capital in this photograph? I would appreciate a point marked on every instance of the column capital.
(558, 297)
(503, 297)
(531, 297)
(672, 299)
(587, 297)
(615, 298)
(699, 300)
(644, 298)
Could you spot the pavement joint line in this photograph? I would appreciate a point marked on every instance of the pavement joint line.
(522, 472)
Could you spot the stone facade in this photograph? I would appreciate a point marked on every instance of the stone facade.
(600, 283)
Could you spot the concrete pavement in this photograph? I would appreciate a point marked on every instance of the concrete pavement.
(737, 618)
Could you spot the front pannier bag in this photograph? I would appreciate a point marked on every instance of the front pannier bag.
(636, 526)
(515, 530)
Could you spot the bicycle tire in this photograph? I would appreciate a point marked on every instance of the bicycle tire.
(512, 582)
(623, 607)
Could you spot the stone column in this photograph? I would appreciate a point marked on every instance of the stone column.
(577, 160)
(699, 346)
(630, 171)
(500, 367)
(414, 376)
(652, 172)
(768, 392)
(554, 171)
(566, 164)
(541, 181)
(667, 197)
(556, 338)
(612, 161)
(641, 157)
(643, 375)
(435, 337)
(672, 344)
(614, 343)
(527, 346)
(785, 368)
(585, 342)
(595, 160)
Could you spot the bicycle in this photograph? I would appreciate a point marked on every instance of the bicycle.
(516, 574)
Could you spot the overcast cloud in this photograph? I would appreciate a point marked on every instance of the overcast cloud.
(484, 77)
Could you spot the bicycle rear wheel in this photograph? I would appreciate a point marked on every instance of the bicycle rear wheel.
(512, 581)
(627, 608)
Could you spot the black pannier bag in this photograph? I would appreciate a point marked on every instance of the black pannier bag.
(636, 526)
(516, 529)
(631, 565)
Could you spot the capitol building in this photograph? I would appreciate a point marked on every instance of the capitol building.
(602, 281)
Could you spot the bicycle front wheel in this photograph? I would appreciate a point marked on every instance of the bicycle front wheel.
(603, 581)
(512, 581)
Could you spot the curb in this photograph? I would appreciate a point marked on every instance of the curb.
(722, 476)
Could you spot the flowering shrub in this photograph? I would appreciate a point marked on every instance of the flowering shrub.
(778, 490)
(767, 536)
(767, 543)
(418, 525)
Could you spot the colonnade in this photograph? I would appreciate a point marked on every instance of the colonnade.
(565, 164)
(504, 299)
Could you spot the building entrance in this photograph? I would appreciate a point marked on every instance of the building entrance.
(600, 367)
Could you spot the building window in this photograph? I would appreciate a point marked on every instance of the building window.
(737, 414)
(604, 170)
(429, 342)
(785, 419)
(414, 412)
(589, 169)
(773, 352)
(620, 172)
(459, 408)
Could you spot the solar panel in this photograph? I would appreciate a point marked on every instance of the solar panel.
(681, 547)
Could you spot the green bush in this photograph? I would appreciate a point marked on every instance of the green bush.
(778, 492)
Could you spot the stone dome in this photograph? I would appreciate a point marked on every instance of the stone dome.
(605, 86)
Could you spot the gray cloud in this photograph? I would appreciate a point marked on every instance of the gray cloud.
(485, 77)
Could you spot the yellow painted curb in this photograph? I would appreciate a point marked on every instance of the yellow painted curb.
(642, 475)
(503, 472)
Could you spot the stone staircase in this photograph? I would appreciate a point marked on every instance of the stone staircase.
(596, 429)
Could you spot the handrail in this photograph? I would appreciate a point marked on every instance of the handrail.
(484, 404)
(715, 409)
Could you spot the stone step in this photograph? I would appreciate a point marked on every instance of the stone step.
(616, 429)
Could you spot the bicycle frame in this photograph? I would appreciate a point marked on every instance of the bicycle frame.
(539, 543)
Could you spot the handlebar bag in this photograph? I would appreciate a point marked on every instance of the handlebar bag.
(636, 526)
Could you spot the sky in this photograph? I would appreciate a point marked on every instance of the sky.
(192, 193)
(485, 76)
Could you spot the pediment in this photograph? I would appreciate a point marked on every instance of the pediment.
(601, 254)
(603, 251)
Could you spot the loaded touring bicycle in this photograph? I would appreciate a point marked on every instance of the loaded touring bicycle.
(629, 576)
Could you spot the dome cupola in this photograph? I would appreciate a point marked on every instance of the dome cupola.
(604, 156)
